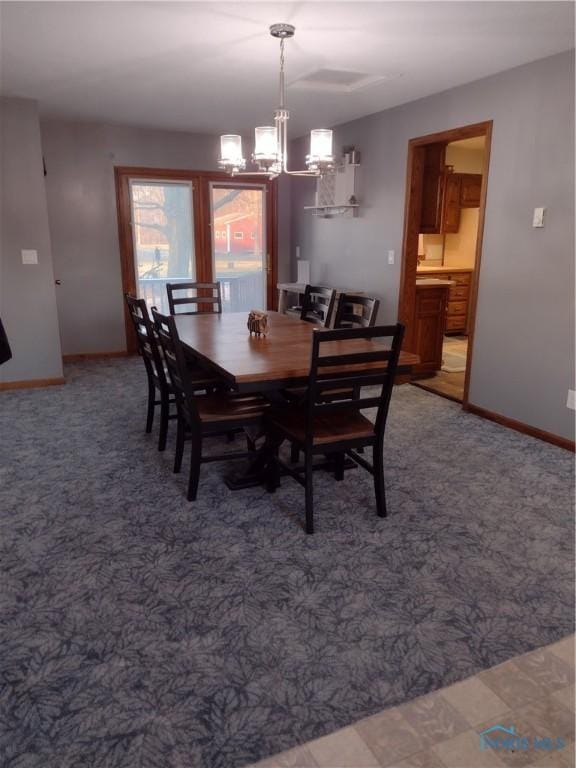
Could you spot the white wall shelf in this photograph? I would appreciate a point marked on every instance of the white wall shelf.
(336, 193)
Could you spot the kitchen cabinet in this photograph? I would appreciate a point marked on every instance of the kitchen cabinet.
(470, 188)
(458, 297)
(432, 158)
(445, 193)
(429, 325)
(450, 222)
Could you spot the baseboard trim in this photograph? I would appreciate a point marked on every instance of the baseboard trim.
(93, 356)
(31, 383)
(519, 426)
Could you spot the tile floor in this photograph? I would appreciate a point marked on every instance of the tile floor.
(534, 693)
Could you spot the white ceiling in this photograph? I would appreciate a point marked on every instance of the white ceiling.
(212, 67)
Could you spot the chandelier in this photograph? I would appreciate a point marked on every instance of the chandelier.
(271, 141)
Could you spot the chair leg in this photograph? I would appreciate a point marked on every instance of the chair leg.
(195, 461)
(309, 492)
(294, 454)
(179, 446)
(339, 466)
(164, 413)
(150, 412)
(379, 489)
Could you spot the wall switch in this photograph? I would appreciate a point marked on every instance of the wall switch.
(29, 257)
(538, 220)
(390, 257)
(571, 401)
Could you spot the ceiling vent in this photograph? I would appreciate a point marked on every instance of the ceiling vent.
(338, 80)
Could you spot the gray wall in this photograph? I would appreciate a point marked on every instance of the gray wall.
(80, 159)
(27, 296)
(523, 363)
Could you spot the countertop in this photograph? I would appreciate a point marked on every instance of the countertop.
(423, 268)
(433, 283)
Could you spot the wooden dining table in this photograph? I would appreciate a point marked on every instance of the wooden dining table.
(267, 363)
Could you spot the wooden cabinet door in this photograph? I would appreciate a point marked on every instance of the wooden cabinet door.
(451, 204)
(430, 322)
(431, 211)
(470, 186)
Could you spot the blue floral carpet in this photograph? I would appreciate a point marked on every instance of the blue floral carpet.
(140, 631)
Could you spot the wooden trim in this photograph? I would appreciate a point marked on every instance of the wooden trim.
(31, 383)
(413, 201)
(454, 134)
(93, 356)
(473, 290)
(519, 426)
(200, 181)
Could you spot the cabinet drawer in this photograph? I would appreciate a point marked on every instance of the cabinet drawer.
(457, 323)
(460, 278)
(458, 293)
(457, 308)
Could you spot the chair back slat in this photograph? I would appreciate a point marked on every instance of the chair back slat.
(175, 358)
(200, 297)
(354, 311)
(146, 338)
(318, 305)
(352, 371)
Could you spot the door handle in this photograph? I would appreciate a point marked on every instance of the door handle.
(57, 282)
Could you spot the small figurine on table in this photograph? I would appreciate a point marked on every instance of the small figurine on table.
(257, 322)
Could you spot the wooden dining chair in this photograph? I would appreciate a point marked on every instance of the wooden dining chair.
(155, 373)
(339, 427)
(201, 416)
(158, 382)
(318, 305)
(205, 297)
(353, 311)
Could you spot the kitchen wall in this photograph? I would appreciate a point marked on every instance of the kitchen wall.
(463, 159)
(523, 357)
(27, 295)
(80, 159)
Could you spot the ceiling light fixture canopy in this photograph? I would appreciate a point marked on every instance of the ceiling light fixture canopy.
(271, 141)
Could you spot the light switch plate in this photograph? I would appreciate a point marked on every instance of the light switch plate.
(571, 400)
(29, 256)
(390, 257)
(538, 219)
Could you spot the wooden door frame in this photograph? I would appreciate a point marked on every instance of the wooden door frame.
(412, 208)
(200, 181)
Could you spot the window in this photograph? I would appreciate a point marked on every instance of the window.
(238, 235)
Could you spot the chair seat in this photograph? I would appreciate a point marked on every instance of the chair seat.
(224, 407)
(331, 428)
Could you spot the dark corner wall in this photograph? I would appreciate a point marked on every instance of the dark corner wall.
(523, 357)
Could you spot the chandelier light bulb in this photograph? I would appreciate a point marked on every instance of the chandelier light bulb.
(231, 158)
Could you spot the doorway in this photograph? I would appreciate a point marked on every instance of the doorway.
(444, 218)
(182, 226)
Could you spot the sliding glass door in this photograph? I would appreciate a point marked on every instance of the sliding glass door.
(163, 237)
(239, 245)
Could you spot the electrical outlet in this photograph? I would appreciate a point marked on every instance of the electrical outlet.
(571, 400)
(390, 257)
